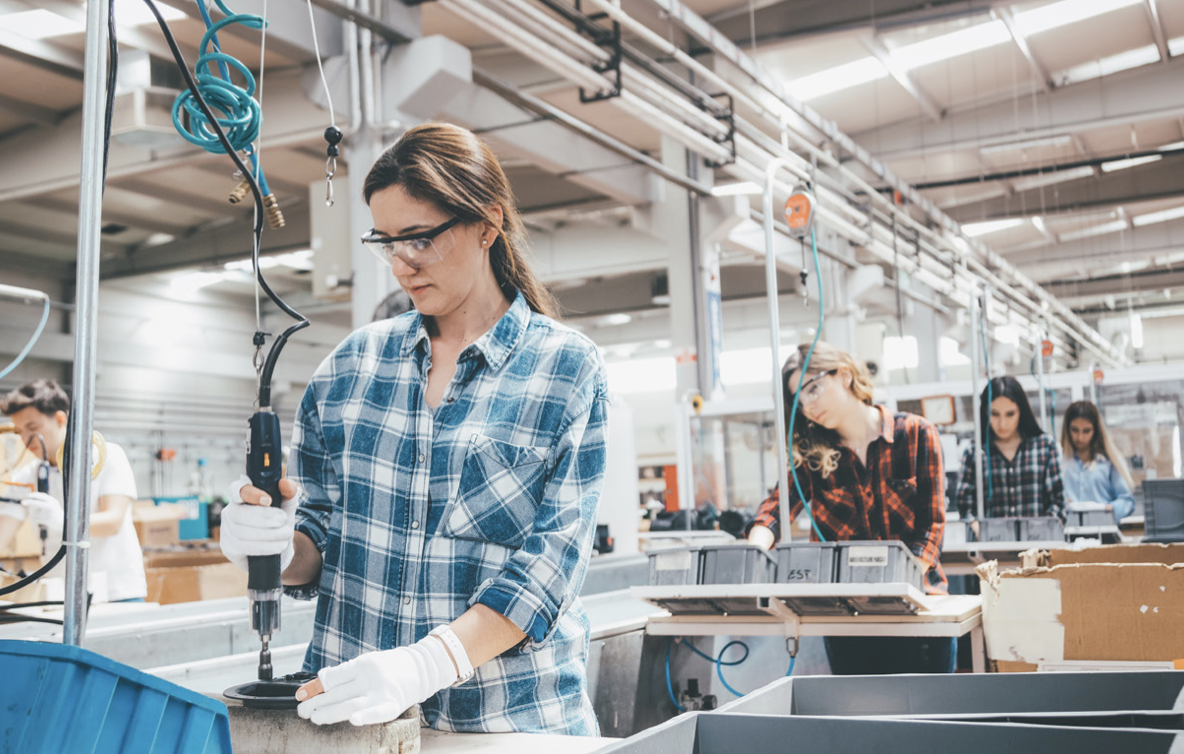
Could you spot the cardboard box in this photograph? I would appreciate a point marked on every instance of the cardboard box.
(1116, 603)
(157, 525)
(25, 543)
(192, 583)
(34, 592)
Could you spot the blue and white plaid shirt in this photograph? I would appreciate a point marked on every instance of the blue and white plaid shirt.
(490, 498)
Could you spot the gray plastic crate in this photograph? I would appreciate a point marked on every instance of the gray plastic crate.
(1003, 529)
(806, 563)
(1163, 507)
(674, 566)
(1088, 514)
(877, 562)
(1043, 529)
(736, 564)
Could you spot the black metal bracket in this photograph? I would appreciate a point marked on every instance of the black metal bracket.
(612, 42)
(729, 119)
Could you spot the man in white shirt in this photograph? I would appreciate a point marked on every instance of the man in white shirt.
(39, 411)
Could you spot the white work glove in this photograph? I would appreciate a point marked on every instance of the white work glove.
(256, 529)
(44, 510)
(12, 510)
(377, 687)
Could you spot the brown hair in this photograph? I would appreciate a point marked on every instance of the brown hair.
(45, 395)
(450, 167)
(816, 446)
(1099, 445)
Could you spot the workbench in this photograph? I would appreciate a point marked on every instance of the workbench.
(797, 610)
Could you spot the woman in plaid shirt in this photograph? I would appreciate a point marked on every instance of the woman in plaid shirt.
(446, 471)
(868, 474)
(1023, 471)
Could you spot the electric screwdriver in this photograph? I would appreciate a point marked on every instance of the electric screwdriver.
(43, 486)
(264, 588)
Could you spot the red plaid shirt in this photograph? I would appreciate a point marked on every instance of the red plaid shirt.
(871, 502)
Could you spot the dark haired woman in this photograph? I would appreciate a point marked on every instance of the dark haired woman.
(870, 475)
(449, 464)
(1022, 473)
(1095, 472)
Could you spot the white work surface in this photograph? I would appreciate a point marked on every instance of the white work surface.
(937, 615)
(438, 742)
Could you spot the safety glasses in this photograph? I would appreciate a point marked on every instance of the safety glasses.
(416, 250)
(813, 388)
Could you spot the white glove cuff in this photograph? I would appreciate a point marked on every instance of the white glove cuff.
(463, 665)
(13, 510)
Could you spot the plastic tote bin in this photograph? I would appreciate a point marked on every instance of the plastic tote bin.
(1045, 529)
(197, 524)
(806, 563)
(736, 564)
(674, 566)
(63, 700)
(1002, 529)
(1163, 509)
(878, 562)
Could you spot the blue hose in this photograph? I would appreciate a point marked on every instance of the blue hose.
(242, 116)
(28, 346)
(669, 685)
(793, 414)
(792, 661)
(719, 661)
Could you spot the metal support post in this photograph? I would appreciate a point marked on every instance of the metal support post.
(781, 440)
(1040, 382)
(975, 398)
(76, 457)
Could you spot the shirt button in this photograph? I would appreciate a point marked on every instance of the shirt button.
(421, 457)
(414, 524)
(406, 600)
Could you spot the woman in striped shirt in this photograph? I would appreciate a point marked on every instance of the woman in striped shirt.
(1022, 468)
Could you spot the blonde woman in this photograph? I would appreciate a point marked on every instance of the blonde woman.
(1095, 471)
(868, 475)
(449, 463)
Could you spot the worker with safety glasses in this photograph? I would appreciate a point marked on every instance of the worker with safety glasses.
(445, 472)
(868, 475)
(39, 412)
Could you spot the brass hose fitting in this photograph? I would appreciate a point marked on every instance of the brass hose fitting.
(275, 217)
(239, 192)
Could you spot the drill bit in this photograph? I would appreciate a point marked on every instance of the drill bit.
(265, 669)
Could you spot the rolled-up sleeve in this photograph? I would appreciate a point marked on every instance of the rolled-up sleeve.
(312, 468)
(543, 577)
(931, 497)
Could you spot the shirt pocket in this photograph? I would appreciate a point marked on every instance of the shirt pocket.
(900, 499)
(501, 486)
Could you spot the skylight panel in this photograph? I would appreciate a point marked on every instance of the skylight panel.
(961, 42)
(974, 230)
(838, 78)
(1066, 12)
(1110, 167)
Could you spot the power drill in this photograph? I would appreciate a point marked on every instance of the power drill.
(264, 588)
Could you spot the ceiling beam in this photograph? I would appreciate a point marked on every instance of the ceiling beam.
(43, 115)
(187, 199)
(110, 215)
(38, 52)
(288, 29)
(129, 36)
(1004, 14)
(876, 47)
(66, 237)
(1156, 180)
(1161, 39)
(1135, 282)
(1123, 99)
(1156, 244)
(36, 264)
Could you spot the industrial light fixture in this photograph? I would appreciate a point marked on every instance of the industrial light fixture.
(954, 44)
(1038, 223)
(1110, 167)
(1162, 216)
(1060, 140)
(974, 230)
(1051, 177)
(1113, 226)
(1066, 12)
(1094, 69)
(838, 78)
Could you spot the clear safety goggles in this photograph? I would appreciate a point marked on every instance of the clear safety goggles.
(416, 250)
(813, 389)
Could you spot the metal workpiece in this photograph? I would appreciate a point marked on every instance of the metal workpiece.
(989, 693)
(781, 440)
(282, 731)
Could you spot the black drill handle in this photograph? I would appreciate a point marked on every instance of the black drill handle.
(265, 469)
(43, 477)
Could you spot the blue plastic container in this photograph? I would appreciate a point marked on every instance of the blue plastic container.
(59, 699)
(197, 526)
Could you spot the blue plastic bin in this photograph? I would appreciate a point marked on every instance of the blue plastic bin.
(62, 699)
(197, 526)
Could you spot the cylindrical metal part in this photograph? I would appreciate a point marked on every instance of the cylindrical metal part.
(78, 436)
(239, 192)
(781, 441)
(275, 216)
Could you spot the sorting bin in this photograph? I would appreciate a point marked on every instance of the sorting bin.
(806, 562)
(65, 699)
(1045, 529)
(674, 566)
(736, 564)
(878, 562)
(1163, 510)
(1002, 529)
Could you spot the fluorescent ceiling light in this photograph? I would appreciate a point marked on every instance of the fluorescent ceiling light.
(40, 24)
(1094, 69)
(1038, 223)
(838, 78)
(1062, 140)
(734, 189)
(961, 42)
(1176, 46)
(1066, 12)
(1110, 167)
(974, 230)
(1161, 216)
(1172, 147)
(1094, 230)
(1049, 178)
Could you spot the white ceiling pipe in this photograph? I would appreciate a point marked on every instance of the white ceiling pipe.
(675, 129)
(540, 20)
(634, 78)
